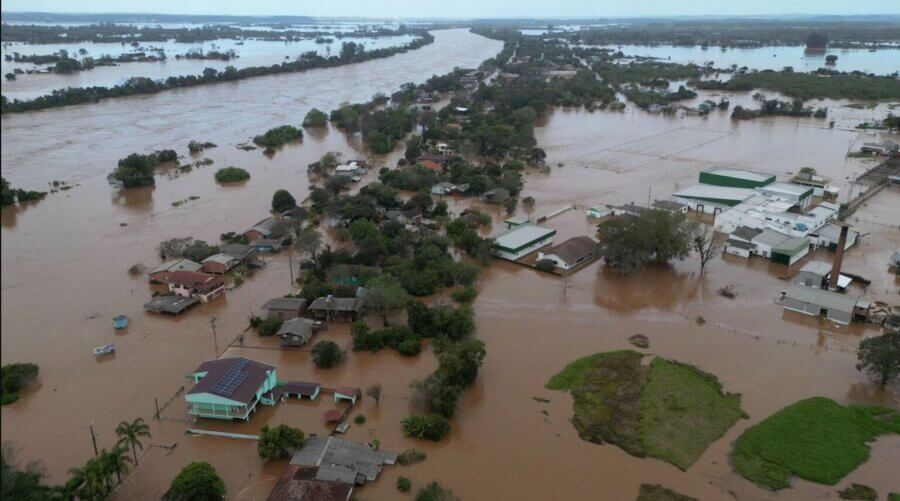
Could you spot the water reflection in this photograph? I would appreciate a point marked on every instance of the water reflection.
(134, 199)
(657, 286)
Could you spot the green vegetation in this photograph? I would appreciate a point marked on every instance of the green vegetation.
(434, 492)
(403, 484)
(315, 118)
(879, 357)
(815, 439)
(144, 85)
(774, 107)
(130, 435)
(639, 340)
(818, 85)
(400, 338)
(277, 136)
(22, 481)
(410, 456)
(9, 196)
(278, 442)
(269, 326)
(858, 492)
(656, 492)
(465, 295)
(645, 98)
(195, 146)
(283, 201)
(231, 175)
(646, 72)
(359, 419)
(666, 410)
(14, 377)
(326, 354)
(136, 170)
(198, 481)
(384, 294)
(428, 427)
(628, 244)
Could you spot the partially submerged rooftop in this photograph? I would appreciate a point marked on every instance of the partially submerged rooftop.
(173, 304)
(822, 298)
(342, 460)
(519, 237)
(236, 379)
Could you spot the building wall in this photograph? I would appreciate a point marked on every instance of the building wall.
(810, 279)
(214, 267)
(841, 317)
(737, 251)
(704, 206)
(734, 182)
(513, 256)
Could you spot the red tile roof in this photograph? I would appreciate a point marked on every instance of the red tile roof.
(430, 165)
(298, 483)
(201, 282)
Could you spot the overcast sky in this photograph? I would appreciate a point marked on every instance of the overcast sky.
(464, 8)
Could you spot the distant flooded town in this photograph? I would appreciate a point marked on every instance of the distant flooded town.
(297, 258)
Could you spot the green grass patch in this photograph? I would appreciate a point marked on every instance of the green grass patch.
(683, 410)
(858, 492)
(656, 492)
(666, 410)
(815, 439)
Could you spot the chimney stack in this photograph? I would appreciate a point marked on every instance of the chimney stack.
(838, 259)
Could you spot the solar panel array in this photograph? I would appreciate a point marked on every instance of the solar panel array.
(231, 380)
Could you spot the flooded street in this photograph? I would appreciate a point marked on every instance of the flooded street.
(65, 263)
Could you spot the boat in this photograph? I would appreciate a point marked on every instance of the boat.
(104, 350)
(120, 321)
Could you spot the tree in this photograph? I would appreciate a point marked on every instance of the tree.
(130, 434)
(434, 492)
(326, 354)
(231, 175)
(198, 481)
(13, 377)
(308, 242)
(429, 427)
(816, 40)
(374, 391)
(879, 357)
(116, 460)
(133, 171)
(384, 295)
(283, 201)
(277, 442)
(18, 482)
(315, 118)
(628, 244)
(707, 245)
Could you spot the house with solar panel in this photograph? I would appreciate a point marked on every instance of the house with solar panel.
(230, 388)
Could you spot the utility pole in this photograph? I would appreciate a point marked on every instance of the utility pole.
(156, 401)
(291, 266)
(94, 439)
(212, 325)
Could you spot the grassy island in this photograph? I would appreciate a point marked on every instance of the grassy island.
(667, 410)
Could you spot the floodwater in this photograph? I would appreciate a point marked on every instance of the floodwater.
(64, 277)
(249, 52)
(881, 61)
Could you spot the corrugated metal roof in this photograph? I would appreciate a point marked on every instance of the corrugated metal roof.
(822, 298)
(521, 236)
(739, 174)
(709, 191)
(817, 267)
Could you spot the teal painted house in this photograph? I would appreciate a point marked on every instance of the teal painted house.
(230, 388)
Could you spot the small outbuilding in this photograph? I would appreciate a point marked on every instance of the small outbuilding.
(284, 308)
(220, 264)
(296, 331)
(335, 308)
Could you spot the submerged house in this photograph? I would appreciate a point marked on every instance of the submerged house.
(230, 388)
(158, 274)
(284, 308)
(519, 241)
(838, 308)
(335, 308)
(817, 274)
(443, 188)
(496, 196)
(342, 460)
(262, 229)
(670, 206)
(296, 331)
(220, 264)
(571, 253)
(202, 286)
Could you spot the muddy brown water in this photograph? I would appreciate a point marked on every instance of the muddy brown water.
(64, 277)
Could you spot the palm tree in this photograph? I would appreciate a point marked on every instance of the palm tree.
(131, 433)
(116, 460)
(90, 482)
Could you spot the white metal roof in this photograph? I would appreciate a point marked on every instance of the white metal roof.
(818, 267)
(739, 174)
(220, 258)
(795, 190)
(716, 192)
(519, 236)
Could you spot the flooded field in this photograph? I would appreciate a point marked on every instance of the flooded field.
(249, 52)
(881, 61)
(65, 263)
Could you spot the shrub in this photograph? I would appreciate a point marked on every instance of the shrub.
(269, 326)
(326, 354)
(278, 136)
(315, 118)
(231, 175)
(403, 484)
(428, 427)
(410, 456)
(14, 377)
(434, 492)
(283, 201)
(359, 419)
(465, 295)
(198, 481)
(277, 442)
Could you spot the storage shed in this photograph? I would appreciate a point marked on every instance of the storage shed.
(819, 302)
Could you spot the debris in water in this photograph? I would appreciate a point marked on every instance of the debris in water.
(541, 400)
(639, 340)
(727, 291)
(700, 320)
(137, 269)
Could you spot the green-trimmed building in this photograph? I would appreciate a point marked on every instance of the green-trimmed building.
(711, 198)
(519, 241)
(734, 178)
(230, 388)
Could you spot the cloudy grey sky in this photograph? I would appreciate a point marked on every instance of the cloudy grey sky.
(464, 8)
